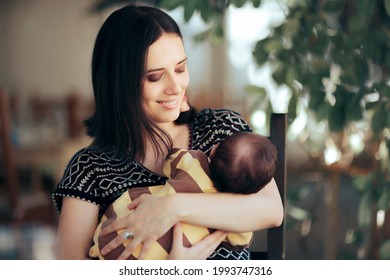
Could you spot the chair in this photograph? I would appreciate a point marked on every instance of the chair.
(275, 242)
(8, 155)
(22, 206)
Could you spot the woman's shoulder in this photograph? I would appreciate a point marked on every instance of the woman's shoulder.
(97, 176)
(209, 113)
(85, 155)
(220, 117)
(92, 154)
(212, 126)
(91, 159)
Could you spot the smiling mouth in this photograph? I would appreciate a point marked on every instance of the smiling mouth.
(169, 104)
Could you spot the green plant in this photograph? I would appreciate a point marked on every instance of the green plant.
(334, 56)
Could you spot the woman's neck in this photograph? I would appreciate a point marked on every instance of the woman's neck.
(179, 133)
(180, 137)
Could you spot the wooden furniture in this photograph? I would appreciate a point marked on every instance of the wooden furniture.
(275, 243)
(7, 153)
(29, 204)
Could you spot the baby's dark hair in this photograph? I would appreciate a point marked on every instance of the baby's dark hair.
(243, 163)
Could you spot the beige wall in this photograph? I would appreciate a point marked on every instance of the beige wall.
(47, 46)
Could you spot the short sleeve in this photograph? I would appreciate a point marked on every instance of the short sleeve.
(212, 126)
(78, 181)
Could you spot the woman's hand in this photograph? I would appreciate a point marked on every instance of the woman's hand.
(152, 217)
(199, 251)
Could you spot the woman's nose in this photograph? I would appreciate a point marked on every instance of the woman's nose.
(173, 85)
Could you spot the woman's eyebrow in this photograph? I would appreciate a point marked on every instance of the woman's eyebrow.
(159, 69)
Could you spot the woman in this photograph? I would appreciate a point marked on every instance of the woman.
(139, 77)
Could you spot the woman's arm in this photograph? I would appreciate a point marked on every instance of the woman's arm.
(153, 215)
(77, 223)
(231, 212)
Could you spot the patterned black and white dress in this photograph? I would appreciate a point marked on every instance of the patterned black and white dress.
(100, 178)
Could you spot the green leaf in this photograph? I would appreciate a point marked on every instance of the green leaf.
(354, 110)
(298, 213)
(205, 10)
(387, 6)
(384, 199)
(292, 108)
(354, 70)
(171, 4)
(217, 33)
(378, 121)
(388, 120)
(337, 118)
(364, 210)
(362, 183)
(358, 22)
(189, 9)
(259, 54)
(238, 3)
(256, 90)
(384, 250)
(316, 99)
(322, 111)
(256, 3)
(202, 36)
(372, 105)
(387, 57)
(333, 6)
(273, 45)
(279, 74)
(338, 114)
(291, 26)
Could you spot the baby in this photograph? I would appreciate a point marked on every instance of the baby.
(243, 163)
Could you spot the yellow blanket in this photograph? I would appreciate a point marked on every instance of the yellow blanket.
(187, 171)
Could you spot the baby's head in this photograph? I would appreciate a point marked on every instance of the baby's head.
(243, 163)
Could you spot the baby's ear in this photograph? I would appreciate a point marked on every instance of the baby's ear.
(184, 106)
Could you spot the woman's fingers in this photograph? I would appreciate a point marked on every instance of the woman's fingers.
(210, 242)
(199, 251)
(178, 252)
(113, 244)
(145, 225)
(134, 203)
(129, 249)
(145, 249)
(177, 236)
(114, 226)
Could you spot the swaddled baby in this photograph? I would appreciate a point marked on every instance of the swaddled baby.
(243, 163)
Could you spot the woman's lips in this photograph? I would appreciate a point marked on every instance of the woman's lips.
(172, 104)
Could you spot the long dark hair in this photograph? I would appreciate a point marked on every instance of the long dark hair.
(118, 63)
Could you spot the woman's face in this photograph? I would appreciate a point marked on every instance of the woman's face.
(166, 79)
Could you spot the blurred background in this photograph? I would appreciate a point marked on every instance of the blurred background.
(325, 62)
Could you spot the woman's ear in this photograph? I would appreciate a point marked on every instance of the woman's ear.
(184, 106)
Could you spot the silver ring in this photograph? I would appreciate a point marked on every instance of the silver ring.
(127, 235)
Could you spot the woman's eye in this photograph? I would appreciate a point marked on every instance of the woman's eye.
(181, 70)
(154, 77)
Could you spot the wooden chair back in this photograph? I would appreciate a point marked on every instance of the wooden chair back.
(275, 243)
